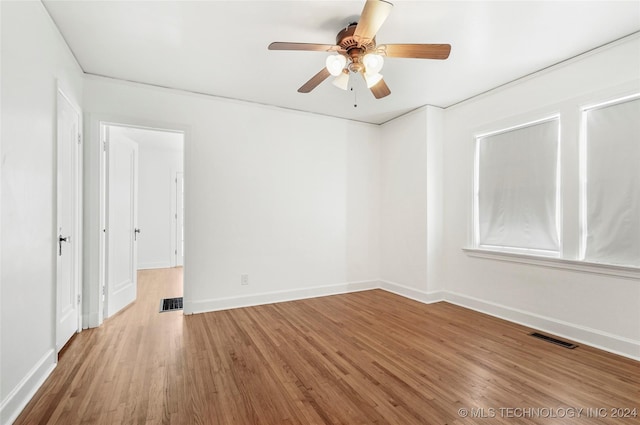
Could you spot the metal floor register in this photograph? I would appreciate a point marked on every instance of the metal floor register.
(170, 304)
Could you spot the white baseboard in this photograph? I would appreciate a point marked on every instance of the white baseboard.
(18, 398)
(412, 293)
(593, 337)
(93, 320)
(605, 341)
(155, 265)
(276, 297)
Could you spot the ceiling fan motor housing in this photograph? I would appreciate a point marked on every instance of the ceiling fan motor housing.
(355, 51)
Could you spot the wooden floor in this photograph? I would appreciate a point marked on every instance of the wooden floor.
(363, 358)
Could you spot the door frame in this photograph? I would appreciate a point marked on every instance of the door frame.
(95, 214)
(77, 247)
(178, 220)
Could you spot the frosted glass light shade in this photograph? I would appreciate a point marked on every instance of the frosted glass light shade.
(342, 81)
(372, 63)
(372, 79)
(335, 64)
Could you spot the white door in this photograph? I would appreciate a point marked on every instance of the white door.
(68, 216)
(122, 223)
(179, 219)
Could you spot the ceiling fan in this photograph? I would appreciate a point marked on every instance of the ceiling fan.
(356, 52)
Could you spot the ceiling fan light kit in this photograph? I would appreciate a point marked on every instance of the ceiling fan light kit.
(372, 79)
(372, 63)
(335, 64)
(356, 52)
(342, 80)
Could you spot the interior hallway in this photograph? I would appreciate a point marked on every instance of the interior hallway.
(360, 358)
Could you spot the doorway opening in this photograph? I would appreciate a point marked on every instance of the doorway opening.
(143, 198)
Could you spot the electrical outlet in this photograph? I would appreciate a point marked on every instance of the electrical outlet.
(244, 279)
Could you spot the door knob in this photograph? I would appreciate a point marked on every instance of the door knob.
(60, 240)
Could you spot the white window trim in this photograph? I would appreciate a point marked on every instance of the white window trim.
(582, 160)
(628, 272)
(553, 260)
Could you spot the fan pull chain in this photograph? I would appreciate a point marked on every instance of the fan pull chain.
(355, 98)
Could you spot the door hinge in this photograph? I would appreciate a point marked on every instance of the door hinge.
(79, 138)
(78, 298)
(104, 145)
(102, 289)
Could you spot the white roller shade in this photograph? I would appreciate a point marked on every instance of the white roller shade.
(613, 184)
(517, 188)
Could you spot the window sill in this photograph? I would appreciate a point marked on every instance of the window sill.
(556, 263)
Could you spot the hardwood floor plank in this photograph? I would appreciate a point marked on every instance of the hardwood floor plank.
(361, 358)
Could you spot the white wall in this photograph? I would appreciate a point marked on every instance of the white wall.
(411, 204)
(159, 159)
(598, 309)
(403, 211)
(35, 60)
(289, 198)
(304, 204)
(157, 204)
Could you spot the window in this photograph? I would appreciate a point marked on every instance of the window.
(610, 183)
(519, 199)
(517, 190)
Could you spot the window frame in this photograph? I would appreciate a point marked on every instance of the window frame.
(558, 191)
(582, 170)
(574, 111)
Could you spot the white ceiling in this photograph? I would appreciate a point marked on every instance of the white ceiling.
(220, 47)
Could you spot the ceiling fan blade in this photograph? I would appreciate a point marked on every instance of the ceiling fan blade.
(380, 90)
(417, 51)
(374, 14)
(314, 81)
(312, 47)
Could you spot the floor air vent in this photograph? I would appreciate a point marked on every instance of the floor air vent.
(170, 304)
(552, 340)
